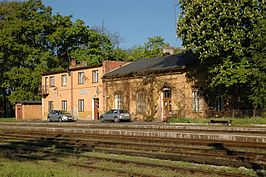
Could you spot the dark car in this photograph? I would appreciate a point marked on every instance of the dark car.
(115, 115)
(60, 116)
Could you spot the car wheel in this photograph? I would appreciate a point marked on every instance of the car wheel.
(116, 119)
(60, 119)
(49, 119)
(101, 119)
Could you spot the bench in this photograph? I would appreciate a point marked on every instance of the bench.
(228, 122)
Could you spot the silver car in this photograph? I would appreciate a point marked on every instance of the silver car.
(60, 116)
(115, 115)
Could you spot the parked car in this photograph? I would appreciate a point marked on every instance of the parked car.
(60, 116)
(116, 115)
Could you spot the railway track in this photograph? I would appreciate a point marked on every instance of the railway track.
(221, 153)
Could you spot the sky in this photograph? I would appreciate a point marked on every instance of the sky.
(134, 20)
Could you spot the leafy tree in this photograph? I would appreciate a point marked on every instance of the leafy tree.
(258, 79)
(114, 37)
(32, 41)
(152, 48)
(221, 35)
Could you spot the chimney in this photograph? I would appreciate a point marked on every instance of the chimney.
(168, 51)
(73, 63)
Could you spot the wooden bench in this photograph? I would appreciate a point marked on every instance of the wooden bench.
(228, 122)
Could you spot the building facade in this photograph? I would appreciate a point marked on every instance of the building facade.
(155, 89)
(78, 90)
(28, 110)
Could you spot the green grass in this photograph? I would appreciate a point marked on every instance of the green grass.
(13, 119)
(63, 166)
(45, 168)
(161, 171)
(235, 121)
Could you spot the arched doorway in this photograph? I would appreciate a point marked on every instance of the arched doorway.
(166, 102)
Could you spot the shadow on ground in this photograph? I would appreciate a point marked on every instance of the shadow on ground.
(52, 148)
(242, 161)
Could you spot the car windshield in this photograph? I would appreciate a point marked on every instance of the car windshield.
(123, 111)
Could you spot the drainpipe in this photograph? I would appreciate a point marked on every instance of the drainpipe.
(71, 92)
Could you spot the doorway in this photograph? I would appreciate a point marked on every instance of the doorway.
(19, 112)
(95, 108)
(166, 103)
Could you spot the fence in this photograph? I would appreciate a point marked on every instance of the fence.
(237, 113)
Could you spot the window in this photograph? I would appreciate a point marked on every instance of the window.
(141, 103)
(52, 81)
(50, 105)
(95, 76)
(64, 105)
(46, 86)
(118, 101)
(81, 77)
(81, 105)
(64, 80)
(196, 101)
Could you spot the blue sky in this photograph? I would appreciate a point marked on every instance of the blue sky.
(134, 20)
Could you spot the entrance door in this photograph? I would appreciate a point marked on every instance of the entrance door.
(96, 108)
(167, 103)
(19, 112)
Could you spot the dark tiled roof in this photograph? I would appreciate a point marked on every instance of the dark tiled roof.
(71, 69)
(29, 102)
(156, 64)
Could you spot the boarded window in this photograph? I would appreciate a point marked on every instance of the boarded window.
(141, 103)
(50, 105)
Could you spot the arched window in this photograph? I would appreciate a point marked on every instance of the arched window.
(118, 101)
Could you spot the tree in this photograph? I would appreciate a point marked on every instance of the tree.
(220, 33)
(115, 37)
(258, 79)
(32, 41)
(152, 48)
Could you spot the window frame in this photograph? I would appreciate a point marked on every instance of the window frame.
(81, 105)
(81, 77)
(95, 76)
(118, 101)
(196, 101)
(52, 81)
(140, 102)
(64, 105)
(50, 106)
(64, 81)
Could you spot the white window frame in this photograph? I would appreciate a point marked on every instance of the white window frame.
(118, 101)
(196, 107)
(64, 105)
(81, 77)
(81, 105)
(64, 79)
(95, 76)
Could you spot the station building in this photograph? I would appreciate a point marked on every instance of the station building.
(156, 88)
(78, 90)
